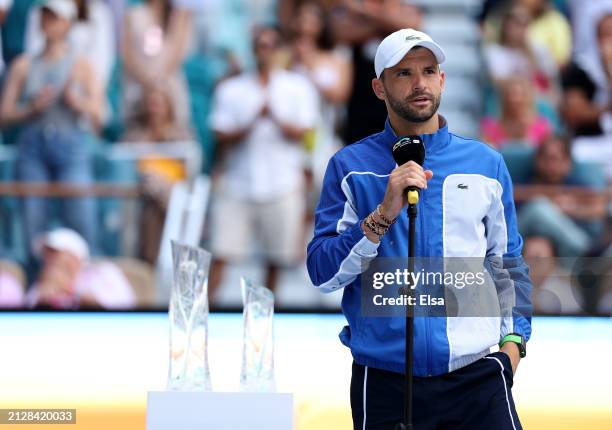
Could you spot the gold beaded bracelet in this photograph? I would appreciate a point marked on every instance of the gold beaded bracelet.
(375, 227)
(384, 218)
(379, 222)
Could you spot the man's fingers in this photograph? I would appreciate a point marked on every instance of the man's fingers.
(414, 171)
(411, 182)
(413, 175)
(411, 166)
(404, 176)
(411, 163)
(409, 175)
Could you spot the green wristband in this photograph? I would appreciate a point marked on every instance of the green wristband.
(518, 340)
(511, 338)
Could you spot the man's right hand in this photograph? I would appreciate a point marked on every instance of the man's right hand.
(407, 175)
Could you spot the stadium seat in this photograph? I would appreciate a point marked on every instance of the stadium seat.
(449, 28)
(450, 22)
(463, 6)
(200, 83)
(114, 127)
(461, 123)
(11, 239)
(109, 209)
(520, 162)
(462, 94)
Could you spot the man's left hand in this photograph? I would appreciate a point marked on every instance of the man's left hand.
(512, 350)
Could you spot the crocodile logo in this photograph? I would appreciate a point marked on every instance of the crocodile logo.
(412, 37)
(462, 187)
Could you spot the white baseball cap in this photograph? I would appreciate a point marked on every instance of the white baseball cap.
(62, 239)
(396, 45)
(63, 8)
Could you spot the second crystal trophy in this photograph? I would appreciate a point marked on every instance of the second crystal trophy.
(189, 320)
(258, 339)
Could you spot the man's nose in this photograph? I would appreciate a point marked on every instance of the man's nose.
(418, 84)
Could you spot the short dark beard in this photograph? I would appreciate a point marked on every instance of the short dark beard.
(403, 109)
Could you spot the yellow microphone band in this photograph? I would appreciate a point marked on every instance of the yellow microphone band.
(413, 197)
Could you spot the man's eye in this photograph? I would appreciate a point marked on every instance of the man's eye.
(430, 71)
(402, 73)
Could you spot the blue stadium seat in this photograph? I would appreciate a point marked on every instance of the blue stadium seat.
(12, 244)
(114, 127)
(200, 83)
(520, 162)
(110, 214)
(11, 239)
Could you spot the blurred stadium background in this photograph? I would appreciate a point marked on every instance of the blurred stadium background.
(133, 150)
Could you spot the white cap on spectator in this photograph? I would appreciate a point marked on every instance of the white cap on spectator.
(396, 45)
(62, 239)
(63, 8)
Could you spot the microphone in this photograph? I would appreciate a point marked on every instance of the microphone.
(410, 148)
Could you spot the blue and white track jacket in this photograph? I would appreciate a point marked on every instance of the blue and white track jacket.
(474, 221)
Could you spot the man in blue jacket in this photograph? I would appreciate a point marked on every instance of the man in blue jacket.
(465, 209)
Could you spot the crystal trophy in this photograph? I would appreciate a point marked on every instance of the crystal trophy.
(188, 311)
(257, 374)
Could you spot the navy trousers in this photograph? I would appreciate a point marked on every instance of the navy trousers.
(475, 397)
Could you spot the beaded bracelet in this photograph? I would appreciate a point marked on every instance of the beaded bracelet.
(384, 218)
(373, 227)
(377, 228)
(379, 222)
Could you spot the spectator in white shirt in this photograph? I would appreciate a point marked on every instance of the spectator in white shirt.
(260, 120)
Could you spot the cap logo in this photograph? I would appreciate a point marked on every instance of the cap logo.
(412, 37)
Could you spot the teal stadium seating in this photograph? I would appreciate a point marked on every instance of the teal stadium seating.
(12, 243)
(520, 162)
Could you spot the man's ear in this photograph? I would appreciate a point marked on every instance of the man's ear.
(379, 88)
(442, 79)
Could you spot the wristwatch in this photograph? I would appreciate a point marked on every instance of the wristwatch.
(519, 340)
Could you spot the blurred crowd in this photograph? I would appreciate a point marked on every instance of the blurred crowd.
(268, 91)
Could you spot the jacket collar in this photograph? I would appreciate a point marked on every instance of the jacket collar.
(433, 142)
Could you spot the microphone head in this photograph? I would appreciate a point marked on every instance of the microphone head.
(409, 148)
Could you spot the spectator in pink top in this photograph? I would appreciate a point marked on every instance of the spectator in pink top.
(68, 280)
(11, 291)
(519, 122)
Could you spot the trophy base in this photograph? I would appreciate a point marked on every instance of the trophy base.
(190, 410)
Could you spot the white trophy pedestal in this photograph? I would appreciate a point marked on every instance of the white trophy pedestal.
(190, 410)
